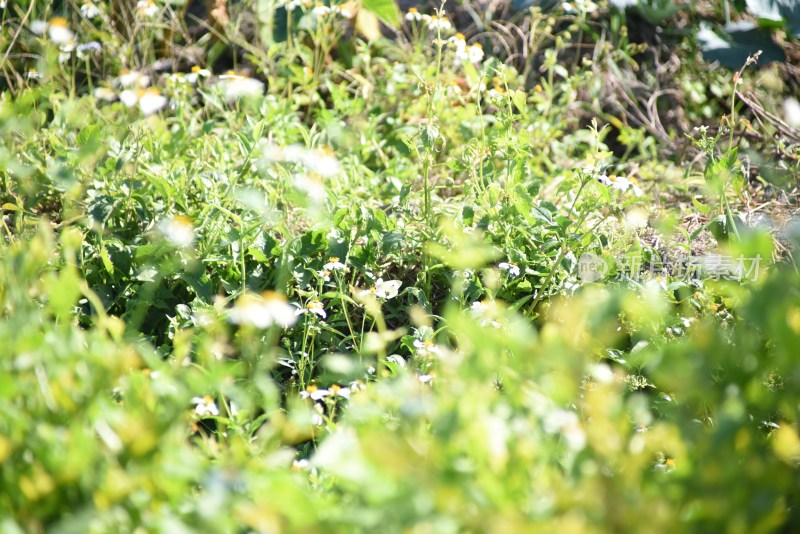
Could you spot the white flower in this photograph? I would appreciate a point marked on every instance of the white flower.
(263, 311)
(437, 24)
(791, 112)
(129, 98)
(59, 32)
(483, 311)
(413, 15)
(475, 52)
(147, 9)
(621, 183)
(397, 360)
(132, 79)
(458, 41)
(90, 11)
(197, 73)
(299, 465)
(567, 424)
(236, 86)
(425, 379)
(151, 101)
(205, 406)
(104, 93)
(579, 6)
(321, 161)
(316, 415)
(426, 348)
(313, 306)
(294, 4)
(38, 27)
(510, 267)
(178, 230)
(311, 185)
(338, 391)
(314, 393)
(383, 290)
(321, 10)
(496, 93)
(33, 74)
(357, 385)
(92, 47)
(334, 265)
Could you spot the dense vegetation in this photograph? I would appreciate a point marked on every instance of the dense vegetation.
(282, 266)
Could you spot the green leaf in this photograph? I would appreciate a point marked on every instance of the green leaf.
(386, 10)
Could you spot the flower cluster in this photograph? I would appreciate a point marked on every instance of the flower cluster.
(262, 311)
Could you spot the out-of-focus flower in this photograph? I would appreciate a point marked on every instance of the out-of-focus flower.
(437, 24)
(178, 230)
(321, 10)
(567, 424)
(263, 311)
(311, 185)
(132, 79)
(205, 405)
(314, 393)
(38, 27)
(791, 112)
(85, 49)
(339, 391)
(235, 86)
(383, 289)
(149, 100)
(510, 267)
(621, 183)
(90, 11)
(104, 93)
(147, 9)
(196, 74)
(299, 465)
(413, 15)
(579, 6)
(475, 53)
(496, 93)
(33, 74)
(313, 306)
(426, 348)
(59, 32)
(334, 265)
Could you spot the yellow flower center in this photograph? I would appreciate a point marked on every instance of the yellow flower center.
(59, 21)
(412, 10)
(460, 36)
(196, 68)
(311, 389)
(333, 259)
(335, 388)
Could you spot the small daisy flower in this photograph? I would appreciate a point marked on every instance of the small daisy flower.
(263, 311)
(437, 24)
(132, 79)
(413, 15)
(205, 406)
(357, 385)
(105, 94)
(85, 50)
(90, 11)
(299, 465)
(178, 230)
(334, 265)
(235, 86)
(426, 348)
(38, 27)
(383, 290)
(321, 10)
(321, 161)
(475, 53)
(496, 93)
(196, 74)
(313, 306)
(310, 184)
(33, 74)
(317, 418)
(339, 391)
(314, 393)
(426, 378)
(621, 183)
(458, 41)
(151, 101)
(510, 267)
(147, 9)
(59, 32)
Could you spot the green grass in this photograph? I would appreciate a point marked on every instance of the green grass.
(350, 298)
